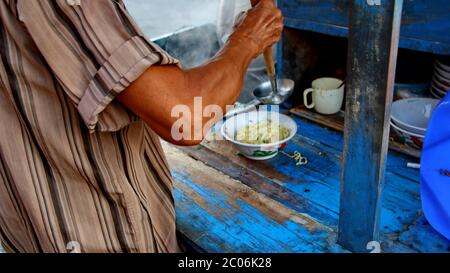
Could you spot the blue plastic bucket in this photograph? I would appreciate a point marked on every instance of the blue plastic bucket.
(435, 169)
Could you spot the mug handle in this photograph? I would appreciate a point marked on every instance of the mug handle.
(305, 98)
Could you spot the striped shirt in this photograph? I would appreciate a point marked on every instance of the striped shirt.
(76, 167)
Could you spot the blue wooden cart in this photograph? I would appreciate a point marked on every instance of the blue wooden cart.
(353, 194)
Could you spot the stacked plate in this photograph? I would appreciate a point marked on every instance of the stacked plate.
(441, 78)
(410, 118)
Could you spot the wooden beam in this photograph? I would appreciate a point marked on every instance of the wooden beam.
(372, 56)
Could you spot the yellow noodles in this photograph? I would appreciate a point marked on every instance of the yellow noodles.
(264, 132)
(298, 157)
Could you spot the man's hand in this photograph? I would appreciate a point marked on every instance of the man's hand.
(260, 28)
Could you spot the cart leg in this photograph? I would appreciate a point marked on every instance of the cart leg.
(372, 55)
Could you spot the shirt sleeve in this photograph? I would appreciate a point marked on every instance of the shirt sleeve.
(95, 50)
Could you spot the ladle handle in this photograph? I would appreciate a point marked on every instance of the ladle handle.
(270, 65)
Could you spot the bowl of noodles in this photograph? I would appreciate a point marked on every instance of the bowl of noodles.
(259, 135)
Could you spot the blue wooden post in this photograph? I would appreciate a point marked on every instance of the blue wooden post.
(372, 54)
(280, 58)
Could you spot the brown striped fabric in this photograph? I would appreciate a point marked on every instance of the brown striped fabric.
(76, 167)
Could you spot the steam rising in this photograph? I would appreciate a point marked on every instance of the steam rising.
(160, 17)
(202, 26)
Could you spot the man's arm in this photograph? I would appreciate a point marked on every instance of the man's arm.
(153, 95)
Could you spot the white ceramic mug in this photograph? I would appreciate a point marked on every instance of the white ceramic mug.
(327, 96)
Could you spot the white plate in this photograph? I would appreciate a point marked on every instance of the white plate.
(406, 131)
(442, 80)
(443, 66)
(437, 89)
(435, 95)
(408, 138)
(407, 128)
(441, 72)
(440, 84)
(413, 114)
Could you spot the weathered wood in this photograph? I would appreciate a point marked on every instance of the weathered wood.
(312, 190)
(308, 197)
(320, 188)
(318, 182)
(373, 45)
(424, 27)
(223, 215)
(262, 178)
(336, 122)
(414, 237)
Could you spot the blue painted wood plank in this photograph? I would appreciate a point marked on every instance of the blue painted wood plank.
(319, 180)
(401, 198)
(425, 23)
(322, 176)
(264, 181)
(401, 204)
(325, 28)
(222, 215)
(279, 64)
(421, 235)
(248, 230)
(331, 141)
(373, 46)
(201, 201)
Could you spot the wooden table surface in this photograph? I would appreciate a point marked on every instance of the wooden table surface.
(227, 203)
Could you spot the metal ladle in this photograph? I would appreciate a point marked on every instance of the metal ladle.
(273, 97)
(263, 94)
(273, 92)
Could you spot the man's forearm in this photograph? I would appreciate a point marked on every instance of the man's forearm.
(161, 88)
(220, 81)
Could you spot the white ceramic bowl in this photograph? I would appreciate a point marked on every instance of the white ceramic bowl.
(408, 138)
(437, 89)
(441, 72)
(443, 66)
(443, 81)
(257, 151)
(413, 115)
(436, 94)
(440, 83)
